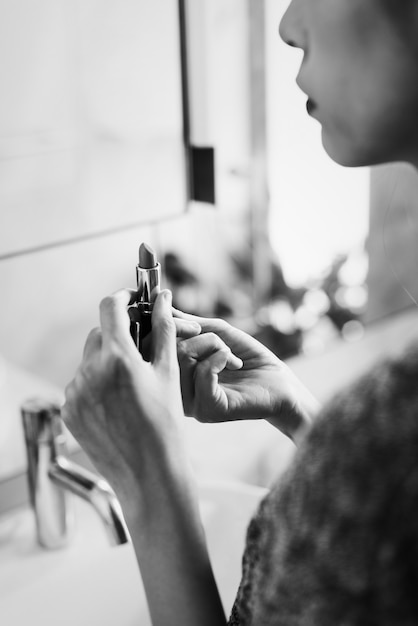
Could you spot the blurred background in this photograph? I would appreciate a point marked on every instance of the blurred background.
(103, 107)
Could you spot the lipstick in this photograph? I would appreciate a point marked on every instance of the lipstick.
(148, 277)
(310, 106)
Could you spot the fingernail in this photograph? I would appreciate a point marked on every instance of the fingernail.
(236, 363)
(167, 295)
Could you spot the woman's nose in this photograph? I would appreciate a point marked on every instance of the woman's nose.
(290, 27)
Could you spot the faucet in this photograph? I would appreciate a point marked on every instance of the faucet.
(51, 476)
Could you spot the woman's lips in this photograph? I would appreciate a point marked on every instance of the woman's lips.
(310, 106)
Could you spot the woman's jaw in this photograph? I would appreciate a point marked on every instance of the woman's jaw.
(353, 138)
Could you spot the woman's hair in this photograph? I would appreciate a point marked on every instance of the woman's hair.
(341, 542)
(400, 12)
(397, 8)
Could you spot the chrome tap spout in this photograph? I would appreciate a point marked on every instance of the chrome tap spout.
(51, 476)
(95, 490)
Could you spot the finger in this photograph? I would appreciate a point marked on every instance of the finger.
(201, 347)
(114, 317)
(207, 324)
(206, 379)
(69, 408)
(215, 363)
(238, 340)
(93, 343)
(199, 381)
(187, 384)
(187, 316)
(164, 331)
(186, 329)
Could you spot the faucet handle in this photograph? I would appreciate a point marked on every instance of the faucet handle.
(42, 421)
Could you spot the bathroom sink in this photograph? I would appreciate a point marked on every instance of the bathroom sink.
(90, 583)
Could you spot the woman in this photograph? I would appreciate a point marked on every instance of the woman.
(334, 542)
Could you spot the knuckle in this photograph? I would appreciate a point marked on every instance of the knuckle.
(182, 350)
(117, 362)
(180, 324)
(217, 342)
(107, 304)
(226, 350)
(185, 359)
(68, 411)
(113, 362)
(93, 341)
(69, 393)
(221, 324)
(170, 369)
(166, 325)
(95, 333)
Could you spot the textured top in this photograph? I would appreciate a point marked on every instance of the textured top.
(335, 543)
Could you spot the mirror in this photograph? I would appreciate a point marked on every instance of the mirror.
(91, 125)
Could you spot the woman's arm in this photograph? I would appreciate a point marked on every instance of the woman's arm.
(170, 547)
(127, 415)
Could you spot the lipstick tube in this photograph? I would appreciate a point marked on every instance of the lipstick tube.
(148, 278)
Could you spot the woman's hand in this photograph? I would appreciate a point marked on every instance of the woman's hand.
(124, 411)
(228, 375)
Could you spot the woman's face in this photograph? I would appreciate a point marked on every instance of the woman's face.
(360, 72)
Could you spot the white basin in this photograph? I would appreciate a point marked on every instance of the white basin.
(90, 583)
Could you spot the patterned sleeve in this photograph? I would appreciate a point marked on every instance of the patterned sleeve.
(242, 610)
(336, 541)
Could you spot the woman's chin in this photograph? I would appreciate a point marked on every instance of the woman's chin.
(349, 153)
(345, 153)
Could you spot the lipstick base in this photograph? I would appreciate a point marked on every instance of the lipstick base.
(143, 335)
(141, 330)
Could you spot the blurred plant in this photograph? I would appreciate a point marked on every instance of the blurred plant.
(289, 320)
